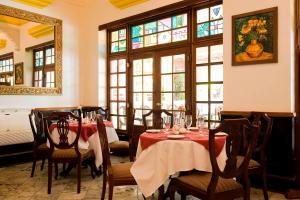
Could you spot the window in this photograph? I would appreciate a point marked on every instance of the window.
(210, 21)
(118, 41)
(163, 31)
(118, 99)
(44, 67)
(7, 69)
(209, 82)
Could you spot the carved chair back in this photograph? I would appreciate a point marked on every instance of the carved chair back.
(155, 119)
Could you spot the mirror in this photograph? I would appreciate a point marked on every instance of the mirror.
(30, 53)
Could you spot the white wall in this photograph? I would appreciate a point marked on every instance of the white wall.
(71, 15)
(264, 87)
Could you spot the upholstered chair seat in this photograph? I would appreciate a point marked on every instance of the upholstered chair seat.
(253, 164)
(121, 173)
(119, 146)
(71, 153)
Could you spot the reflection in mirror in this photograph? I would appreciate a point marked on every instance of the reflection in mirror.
(27, 53)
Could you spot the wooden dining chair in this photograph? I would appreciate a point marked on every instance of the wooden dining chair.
(221, 184)
(65, 151)
(257, 164)
(116, 175)
(40, 148)
(154, 118)
(104, 112)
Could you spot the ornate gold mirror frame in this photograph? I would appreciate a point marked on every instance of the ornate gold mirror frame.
(26, 15)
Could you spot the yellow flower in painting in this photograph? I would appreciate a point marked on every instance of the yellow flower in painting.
(262, 30)
(250, 23)
(241, 38)
(246, 29)
(255, 22)
(264, 22)
(241, 43)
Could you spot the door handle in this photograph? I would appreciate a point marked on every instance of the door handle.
(158, 104)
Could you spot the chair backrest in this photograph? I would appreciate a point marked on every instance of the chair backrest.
(104, 143)
(236, 130)
(104, 112)
(36, 124)
(154, 118)
(61, 122)
(266, 123)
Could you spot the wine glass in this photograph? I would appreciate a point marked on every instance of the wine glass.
(188, 121)
(167, 121)
(200, 122)
(93, 116)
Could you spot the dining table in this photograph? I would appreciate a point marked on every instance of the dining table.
(89, 136)
(161, 154)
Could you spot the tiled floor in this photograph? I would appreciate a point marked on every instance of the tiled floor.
(16, 184)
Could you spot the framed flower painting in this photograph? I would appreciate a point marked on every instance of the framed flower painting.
(254, 37)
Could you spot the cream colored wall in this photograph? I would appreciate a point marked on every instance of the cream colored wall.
(70, 14)
(264, 87)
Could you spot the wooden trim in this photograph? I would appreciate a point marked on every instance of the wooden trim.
(7, 56)
(270, 114)
(42, 45)
(152, 13)
(56, 108)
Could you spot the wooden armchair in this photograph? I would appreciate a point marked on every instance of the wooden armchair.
(65, 151)
(118, 174)
(39, 148)
(221, 184)
(257, 164)
(158, 119)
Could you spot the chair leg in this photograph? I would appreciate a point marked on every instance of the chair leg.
(43, 163)
(172, 191)
(33, 165)
(49, 176)
(111, 191)
(56, 171)
(264, 181)
(78, 176)
(103, 186)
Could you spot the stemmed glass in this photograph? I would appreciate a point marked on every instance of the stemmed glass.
(167, 121)
(188, 121)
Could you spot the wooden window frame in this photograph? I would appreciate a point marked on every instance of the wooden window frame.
(8, 74)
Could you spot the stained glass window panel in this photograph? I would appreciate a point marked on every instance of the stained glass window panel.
(179, 100)
(166, 64)
(166, 83)
(166, 101)
(122, 65)
(137, 67)
(164, 24)
(202, 74)
(113, 80)
(216, 12)
(122, 45)
(216, 92)
(202, 55)
(203, 15)
(114, 94)
(138, 42)
(179, 21)
(216, 53)
(137, 31)
(179, 82)
(148, 84)
(216, 72)
(114, 36)
(164, 37)
(138, 84)
(150, 28)
(203, 30)
(216, 27)
(179, 63)
(114, 47)
(122, 34)
(202, 92)
(150, 40)
(179, 34)
(148, 66)
(114, 66)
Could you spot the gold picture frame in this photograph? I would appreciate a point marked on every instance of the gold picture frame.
(19, 73)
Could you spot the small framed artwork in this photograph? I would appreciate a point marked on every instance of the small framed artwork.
(19, 73)
(255, 37)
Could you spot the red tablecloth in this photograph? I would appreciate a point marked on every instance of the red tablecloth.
(87, 129)
(147, 139)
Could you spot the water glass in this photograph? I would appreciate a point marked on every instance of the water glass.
(200, 122)
(188, 121)
(167, 122)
